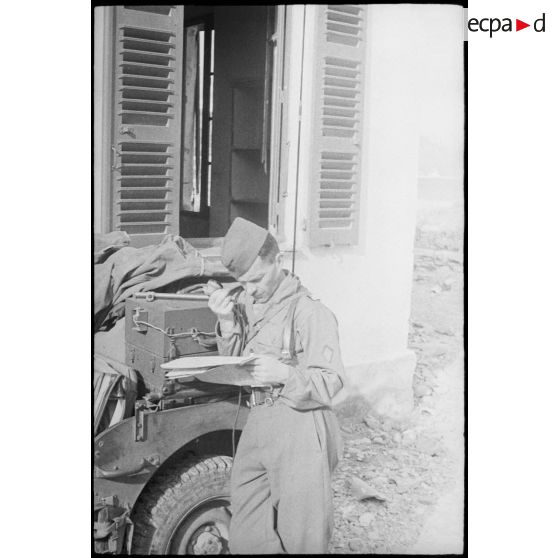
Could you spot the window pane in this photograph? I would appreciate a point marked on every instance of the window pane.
(197, 125)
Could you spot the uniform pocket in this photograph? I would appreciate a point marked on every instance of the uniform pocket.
(319, 429)
(328, 436)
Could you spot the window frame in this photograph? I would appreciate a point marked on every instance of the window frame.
(208, 23)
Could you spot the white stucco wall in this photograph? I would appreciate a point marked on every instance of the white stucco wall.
(369, 286)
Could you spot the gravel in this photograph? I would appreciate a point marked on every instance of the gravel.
(409, 466)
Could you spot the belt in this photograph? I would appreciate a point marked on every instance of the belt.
(263, 396)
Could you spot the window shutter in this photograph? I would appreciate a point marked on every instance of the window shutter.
(336, 141)
(147, 121)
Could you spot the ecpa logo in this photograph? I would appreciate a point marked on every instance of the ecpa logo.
(494, 24)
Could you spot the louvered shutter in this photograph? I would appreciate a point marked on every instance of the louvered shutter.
(147, 121)
(336, 141)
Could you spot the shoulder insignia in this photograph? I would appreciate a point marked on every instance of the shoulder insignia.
(328, 353)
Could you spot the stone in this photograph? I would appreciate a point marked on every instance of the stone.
(355, 545)
(396, 436)
(409, 436)
(366, 519)
(422, 389)
(385, 425)
(427, 500)
(348, 510)
(404, 487)
(427, 445)
(378, 440)
(441, 390)
(363, 491)
(445, 331)
(448, 283)
(427, 401)
(435, 378)
(372, 422)
(435, 348)
(436, 289)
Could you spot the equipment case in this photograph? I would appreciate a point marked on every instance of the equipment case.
(150, 327)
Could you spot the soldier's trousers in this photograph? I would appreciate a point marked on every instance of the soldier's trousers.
(281, 481)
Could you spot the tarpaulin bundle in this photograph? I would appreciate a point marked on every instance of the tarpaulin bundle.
(120, 271)
(107, 244)
(114, 389)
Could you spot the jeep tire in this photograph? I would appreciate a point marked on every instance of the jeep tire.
(185, 510)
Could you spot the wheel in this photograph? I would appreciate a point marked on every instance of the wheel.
(186, 510)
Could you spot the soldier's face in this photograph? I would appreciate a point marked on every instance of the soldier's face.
(263, 277)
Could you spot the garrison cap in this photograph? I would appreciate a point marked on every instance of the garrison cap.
(241, 246)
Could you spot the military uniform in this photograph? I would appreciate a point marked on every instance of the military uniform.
(281, 477)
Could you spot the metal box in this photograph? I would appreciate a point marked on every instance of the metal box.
(150, 326)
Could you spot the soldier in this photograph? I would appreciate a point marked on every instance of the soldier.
(281, 494)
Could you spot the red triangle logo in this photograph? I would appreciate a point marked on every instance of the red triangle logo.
(519, 25)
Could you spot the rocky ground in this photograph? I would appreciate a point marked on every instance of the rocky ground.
(399, 488)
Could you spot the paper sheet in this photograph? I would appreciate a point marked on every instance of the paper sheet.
(212, 369)
(201, 362)
(231, 374)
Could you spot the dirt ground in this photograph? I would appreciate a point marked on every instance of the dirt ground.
(399, 487)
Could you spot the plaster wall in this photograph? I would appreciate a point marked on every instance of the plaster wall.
(368, 286)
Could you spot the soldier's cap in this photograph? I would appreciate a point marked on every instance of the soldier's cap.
(241, 246)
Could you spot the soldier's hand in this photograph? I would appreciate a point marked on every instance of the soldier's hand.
(268, 370)
(221, 304)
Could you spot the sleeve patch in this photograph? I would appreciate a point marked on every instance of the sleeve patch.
(328, 353)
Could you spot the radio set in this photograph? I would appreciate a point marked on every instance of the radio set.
(160, 327)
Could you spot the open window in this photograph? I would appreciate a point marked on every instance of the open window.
(197, 125)
(229, 63)
(193, 125)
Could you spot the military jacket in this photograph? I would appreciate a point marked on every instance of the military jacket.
(316, 369)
